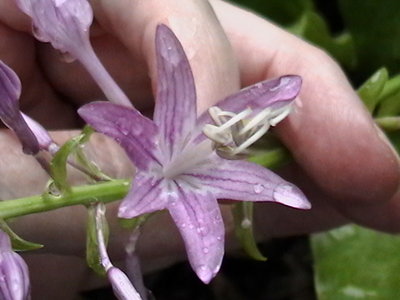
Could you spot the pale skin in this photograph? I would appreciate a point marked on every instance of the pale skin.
(343, 162)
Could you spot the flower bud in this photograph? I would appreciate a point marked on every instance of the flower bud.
(63, 23)
(14, 275)
(10, 90)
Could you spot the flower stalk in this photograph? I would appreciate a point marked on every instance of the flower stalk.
(80, 195)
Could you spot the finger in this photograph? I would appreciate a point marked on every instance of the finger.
(17, 49)
(209, 52)
(331, 135)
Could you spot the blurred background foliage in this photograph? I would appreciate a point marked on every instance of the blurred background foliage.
(364, 37)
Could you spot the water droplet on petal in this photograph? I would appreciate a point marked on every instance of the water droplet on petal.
(183, 225)
(219, 238)
(246, 223)
(206, 250)
(258, 188)
(191, 226)
(202, 230)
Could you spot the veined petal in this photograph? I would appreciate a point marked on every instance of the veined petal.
(198, 218)
(42, 136)
(133, 131)
(145, 196)
(10, 90)
(274, 92)
(175, 109)
(241, 180)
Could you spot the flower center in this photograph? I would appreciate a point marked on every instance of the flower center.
(233, 133)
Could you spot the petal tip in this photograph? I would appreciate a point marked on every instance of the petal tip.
(205, 273)
(290, 195)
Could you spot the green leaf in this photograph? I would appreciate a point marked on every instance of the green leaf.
(282, 12)
(375, 28)
(372, 89)
(390, 98)
(356, 263)
(271, 159)
(18, 244)
(312, 27)
(388, 123)
(92, 245)
(243, 221)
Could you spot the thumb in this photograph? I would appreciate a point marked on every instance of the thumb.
(196, 26)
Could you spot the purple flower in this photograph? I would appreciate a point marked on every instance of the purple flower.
(179, 169)
(122, 287)
(10, 90)
(32, 135)
(65, 24)
(14, 274)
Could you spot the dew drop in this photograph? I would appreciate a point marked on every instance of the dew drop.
(136, 130)
(191, 226)
(202, 230)
(258, 188)
(219, 238)
(183, 225)
(246, 223)
(206, 250)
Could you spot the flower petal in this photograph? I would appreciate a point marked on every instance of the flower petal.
(133, 131)
(199, 221)
(145, 196)
(10, 90)
(175, 109)
(241, 180)
(274, 92)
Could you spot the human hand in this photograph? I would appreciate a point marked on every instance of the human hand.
(349, 141)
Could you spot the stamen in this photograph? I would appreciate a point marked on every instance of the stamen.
(252, 139)
(232, 134)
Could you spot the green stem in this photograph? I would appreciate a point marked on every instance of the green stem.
(83, 195)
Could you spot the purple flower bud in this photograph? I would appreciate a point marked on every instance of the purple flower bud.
(10, 90)
(63, 23)
(14, 275)
(42, 135)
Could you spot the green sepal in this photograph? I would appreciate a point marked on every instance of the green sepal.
(58, 166)
(312, 27)
(134, 223)
(18, 244)
(89, 165)
(92, 245)
(243, 222)
(371, 90)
